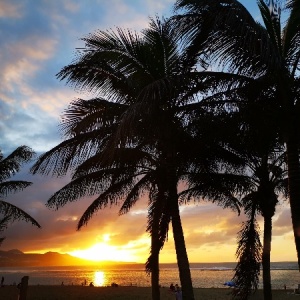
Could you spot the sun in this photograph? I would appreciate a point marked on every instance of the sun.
(103, 251)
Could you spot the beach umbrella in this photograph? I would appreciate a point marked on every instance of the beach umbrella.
(230, 284)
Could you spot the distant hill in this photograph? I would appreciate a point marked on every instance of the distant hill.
(16, 258)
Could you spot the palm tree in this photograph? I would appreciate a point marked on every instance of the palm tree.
(142, 80)
(266, 175)
(9, 166)
(265, 169)
(255, 173)
(268, 178)
(268, 55)
(123, 178)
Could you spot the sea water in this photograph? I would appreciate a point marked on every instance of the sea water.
(204, 275)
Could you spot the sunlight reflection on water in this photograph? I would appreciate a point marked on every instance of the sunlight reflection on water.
(99, 278)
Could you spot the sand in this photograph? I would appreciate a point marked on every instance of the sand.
(124, 293)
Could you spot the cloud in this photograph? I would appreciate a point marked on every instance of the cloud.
(21, 61)
(9, 9)
(199, 229)
(282, 223)
(71, 6)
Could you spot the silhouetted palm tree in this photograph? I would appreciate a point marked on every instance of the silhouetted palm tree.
(9, 166)
(268, 182)
(255, 174)
(268, 55)
(142, 79)
(257, 144)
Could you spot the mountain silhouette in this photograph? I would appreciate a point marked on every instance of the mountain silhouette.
(16, 258)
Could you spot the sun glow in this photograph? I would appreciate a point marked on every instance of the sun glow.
(102, 251)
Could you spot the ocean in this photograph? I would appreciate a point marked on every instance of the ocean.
(204, 275)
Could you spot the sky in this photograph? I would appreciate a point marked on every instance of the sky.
(37, 39)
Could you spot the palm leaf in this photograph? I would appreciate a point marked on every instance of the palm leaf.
(249, 248)
(11, 165)
(16, 214)
(8, 187)
(291, 38)
(88, 185)
(112, 195)
(86, 115)
(70, 153)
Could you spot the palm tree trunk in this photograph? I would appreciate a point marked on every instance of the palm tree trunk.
(291, 132)
(294, 190)
(266, 258)
(182, 260)
(182, 257)
(155, 268)
(155, 250)
(181, 253)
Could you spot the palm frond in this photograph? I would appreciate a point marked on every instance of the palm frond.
(86, 115)
(111, 196)
(11, 165)
(134, 194)
(12, 186)
(89, 185)
(109, 64)
(218, 188)
(127, 160)
(16, 214)
(245, 50)
(159, 219)
(70, 153)
(291, 38)
(4, 222)
(249, 249)
(3, 225)
(272, 26)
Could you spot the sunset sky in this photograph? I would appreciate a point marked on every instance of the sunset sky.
(37, 39)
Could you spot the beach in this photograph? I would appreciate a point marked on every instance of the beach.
(125, 293)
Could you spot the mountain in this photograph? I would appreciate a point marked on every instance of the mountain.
(16, 258)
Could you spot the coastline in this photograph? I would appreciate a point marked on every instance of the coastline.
(50, 292)
(204, 276)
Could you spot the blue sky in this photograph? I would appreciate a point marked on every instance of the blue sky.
(37, 39)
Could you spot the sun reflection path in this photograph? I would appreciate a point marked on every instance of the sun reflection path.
(99, 278)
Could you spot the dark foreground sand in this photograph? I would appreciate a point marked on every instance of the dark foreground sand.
(124, 293)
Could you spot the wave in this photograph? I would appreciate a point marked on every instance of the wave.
(231, 266)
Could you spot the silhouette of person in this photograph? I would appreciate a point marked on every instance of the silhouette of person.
(178, 293)
(2, 281)
(172, 287)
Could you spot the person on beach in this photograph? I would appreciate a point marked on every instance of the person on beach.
(172, 287)
(178, 292)
(2, 281)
